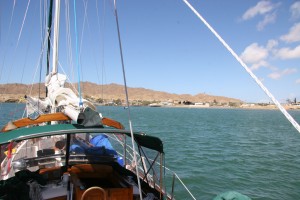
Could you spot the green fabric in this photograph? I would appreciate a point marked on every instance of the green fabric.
(60, 129)
(150, 142)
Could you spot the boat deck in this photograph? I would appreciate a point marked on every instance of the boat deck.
(29, 149)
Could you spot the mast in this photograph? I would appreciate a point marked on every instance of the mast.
(61, 99)
(55, 81)
(55, 37)
(49, 41)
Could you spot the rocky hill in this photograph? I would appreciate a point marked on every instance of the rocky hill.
(15, 92)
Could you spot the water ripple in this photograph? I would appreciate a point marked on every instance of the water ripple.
(254, 152)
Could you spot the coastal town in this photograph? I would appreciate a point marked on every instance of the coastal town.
(113, 95)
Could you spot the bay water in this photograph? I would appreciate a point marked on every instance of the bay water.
(253, 152)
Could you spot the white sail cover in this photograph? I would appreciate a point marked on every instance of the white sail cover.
(61, 99)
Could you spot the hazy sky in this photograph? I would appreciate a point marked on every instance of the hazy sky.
(165, 46)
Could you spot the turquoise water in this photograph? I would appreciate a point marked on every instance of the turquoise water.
(254, 152)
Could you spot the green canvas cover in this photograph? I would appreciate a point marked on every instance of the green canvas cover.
(60, 129)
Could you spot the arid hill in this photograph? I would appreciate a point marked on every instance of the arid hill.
(15, 92)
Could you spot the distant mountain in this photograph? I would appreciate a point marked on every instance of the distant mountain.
(112, 91)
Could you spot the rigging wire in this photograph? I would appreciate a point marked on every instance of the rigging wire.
(43, 47)
(42, 25)
(39, 65)
(71, 85)
(19, 37)
(270, 95)
(12, 14)
(20, 32)
(9, 32)
(102, 45)
(17, 45)
(85, 18)
(50, 44)
(4, 56)
(85, 21)
(62, 69)
(23, 23)
(69, 43)
(87, 24)
(77, 56)
(24, 65)
(127, 99)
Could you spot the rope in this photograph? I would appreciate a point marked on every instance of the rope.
(127, 100)
(77, 56)
(279, 106)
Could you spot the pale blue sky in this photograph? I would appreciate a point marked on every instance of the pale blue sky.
(166, 47)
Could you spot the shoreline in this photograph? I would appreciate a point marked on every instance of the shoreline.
(252, 107)
(271, 107)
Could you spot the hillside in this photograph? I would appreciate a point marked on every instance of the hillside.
(15, 91)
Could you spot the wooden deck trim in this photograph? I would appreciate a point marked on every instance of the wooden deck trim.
(40, 119)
